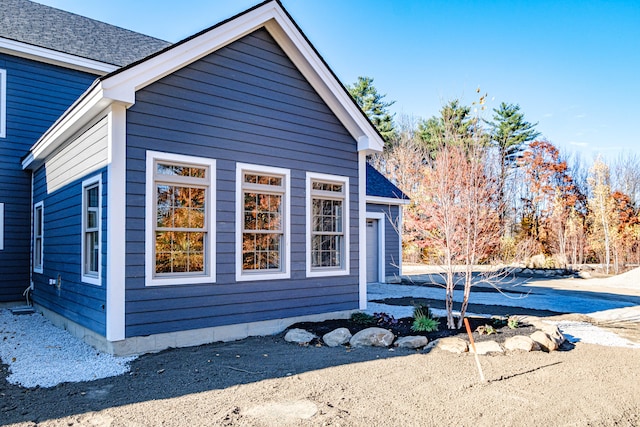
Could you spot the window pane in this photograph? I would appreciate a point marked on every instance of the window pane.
(92, 197)
(261, 251)
(92, 219)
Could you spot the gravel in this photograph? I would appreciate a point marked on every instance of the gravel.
(41, 355)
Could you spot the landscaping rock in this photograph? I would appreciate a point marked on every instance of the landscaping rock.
(376, 337)
(452, 345)
(337, 337)
(411, 342)
(545, 342)
(484, 347)
(553, 332)
(299, 336)
(520, 343)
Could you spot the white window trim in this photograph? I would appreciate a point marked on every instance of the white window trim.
(86, 278)
(39, 269)
(3, 103)
(285, 272)
(326, 272)
(1, 226)
(150, 218)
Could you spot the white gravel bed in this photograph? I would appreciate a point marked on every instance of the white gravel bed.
(41, 355)
(591, 334)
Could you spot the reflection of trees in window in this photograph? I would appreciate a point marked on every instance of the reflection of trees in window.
(327, 234)
(181, 228)
(262, 230)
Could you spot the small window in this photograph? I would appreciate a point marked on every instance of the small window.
(262, 223)
(327, 225)
(180, 219)
(91, 225)
(1, 226)
(3, 103)
(38, 237)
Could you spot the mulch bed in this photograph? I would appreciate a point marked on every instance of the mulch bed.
(402, 327)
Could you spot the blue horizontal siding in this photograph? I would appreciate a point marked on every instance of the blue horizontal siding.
(62, 254)
(37, 94)
(244, 103)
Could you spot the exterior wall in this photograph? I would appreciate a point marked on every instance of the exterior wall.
(392, 240)
(37, 94)
(59, 186)
(244, 103)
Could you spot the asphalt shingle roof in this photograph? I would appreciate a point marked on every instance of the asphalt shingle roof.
(379, 186)
(47, 27)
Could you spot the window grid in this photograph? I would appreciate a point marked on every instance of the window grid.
(181, 228)
(262, 225)
(327, 230)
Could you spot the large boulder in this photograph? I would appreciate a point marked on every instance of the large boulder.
(376, 337)
(453, 345)
(411, 342)
(545, 342)
(520, 343)
(337, 337)
(299, 336)
(485, 347)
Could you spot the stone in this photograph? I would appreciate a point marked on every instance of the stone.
(545, 342)
(411, 342)
(337, 337)
(453, 345)
(584, 275)
(520, 343)
(485, 347)
(299, 336)
(553, 332)
(376, 337)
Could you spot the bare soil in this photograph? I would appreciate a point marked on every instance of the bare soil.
(266, 381)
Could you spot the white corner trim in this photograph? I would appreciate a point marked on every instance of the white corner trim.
(150, 217)
(49, 56)
(3, 103)
(346, 212)
(285, 273)
(97, 179)
(362, 228)
(116, 222)
(387, 201)
(382, 261)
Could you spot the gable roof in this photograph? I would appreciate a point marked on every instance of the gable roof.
(379, 187)
(25, 24)
(120, 86)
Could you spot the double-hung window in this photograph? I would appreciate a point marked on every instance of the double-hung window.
(180, 219)
(38, 237)
(327, 225)
(91, 224)
(262, 243)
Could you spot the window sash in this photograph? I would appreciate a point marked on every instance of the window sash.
(180, 228)
(262, 220)
(327, 225)
(38, 235)
(91, 231)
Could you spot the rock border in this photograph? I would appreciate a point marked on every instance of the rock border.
(547, 338)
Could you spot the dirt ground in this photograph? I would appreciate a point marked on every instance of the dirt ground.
(266, 381)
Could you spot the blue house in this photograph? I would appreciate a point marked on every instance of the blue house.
(179, 194)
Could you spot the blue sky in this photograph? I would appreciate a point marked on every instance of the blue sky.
(572, 66)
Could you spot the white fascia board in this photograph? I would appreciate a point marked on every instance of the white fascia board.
(124, 84)
(387, 200)
(70, 122)
(293, 42)
(54, 57)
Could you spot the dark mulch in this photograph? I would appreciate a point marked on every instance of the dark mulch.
(402, 327)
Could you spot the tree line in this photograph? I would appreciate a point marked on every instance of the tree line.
(493, 190)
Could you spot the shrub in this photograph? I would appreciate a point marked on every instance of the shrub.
(513, 322)
(363, 318)
(486, 330)
(422, 320)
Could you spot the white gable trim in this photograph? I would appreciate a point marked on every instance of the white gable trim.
(121, 86)
(49, 56)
